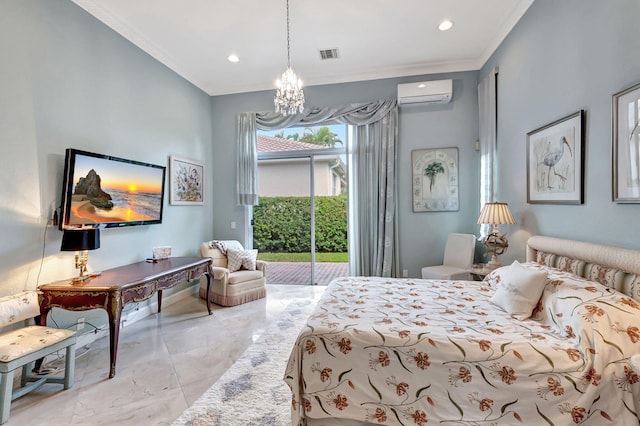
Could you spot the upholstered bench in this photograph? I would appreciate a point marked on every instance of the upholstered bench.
(21, 347)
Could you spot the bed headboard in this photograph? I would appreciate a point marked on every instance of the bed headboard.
(614, 267)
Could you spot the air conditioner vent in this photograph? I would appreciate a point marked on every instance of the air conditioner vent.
(328, 54)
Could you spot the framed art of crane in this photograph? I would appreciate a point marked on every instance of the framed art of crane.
(555, 162)
(626, 145)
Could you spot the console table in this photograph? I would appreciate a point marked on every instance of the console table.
(116, 287)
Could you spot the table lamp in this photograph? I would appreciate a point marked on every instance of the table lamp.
(495, 214)
(80, 241)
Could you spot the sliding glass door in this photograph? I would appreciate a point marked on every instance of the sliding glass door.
(300, 225)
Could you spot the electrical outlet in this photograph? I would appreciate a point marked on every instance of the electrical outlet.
(405, 273)
(233, 225)
(80, 324)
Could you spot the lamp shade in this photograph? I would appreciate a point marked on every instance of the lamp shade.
(496, 213)
(80, 239)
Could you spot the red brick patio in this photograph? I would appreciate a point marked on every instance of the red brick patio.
(300, 272)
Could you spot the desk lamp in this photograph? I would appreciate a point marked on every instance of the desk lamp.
(495, 214)
(80, 241)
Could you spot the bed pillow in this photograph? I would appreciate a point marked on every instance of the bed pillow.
(241, 259)
(519, 289)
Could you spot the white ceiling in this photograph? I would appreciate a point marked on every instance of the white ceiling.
(375, 38)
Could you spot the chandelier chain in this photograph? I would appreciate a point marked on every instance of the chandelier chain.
(288, 39)
(289, 97)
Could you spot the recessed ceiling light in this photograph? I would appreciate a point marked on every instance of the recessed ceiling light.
(445, 25)
(233, 58)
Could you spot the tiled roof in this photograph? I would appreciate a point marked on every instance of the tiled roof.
(272, 143)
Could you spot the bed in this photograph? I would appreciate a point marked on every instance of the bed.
(412, 351)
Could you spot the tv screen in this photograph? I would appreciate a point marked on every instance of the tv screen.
(102, 191)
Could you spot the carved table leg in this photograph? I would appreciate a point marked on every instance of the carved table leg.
(44, 310)
(208, 275)
(114, 311)
(159, 300)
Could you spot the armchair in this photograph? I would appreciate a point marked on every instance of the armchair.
(233, 282)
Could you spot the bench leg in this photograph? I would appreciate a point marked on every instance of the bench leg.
(69, 365)
(26, 372)
(6, 386)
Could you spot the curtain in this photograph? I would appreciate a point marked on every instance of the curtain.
(375, 174)
(374, 171)
(246, 172)
(487, 110)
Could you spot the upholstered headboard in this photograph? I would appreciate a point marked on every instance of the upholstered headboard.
(614, 267)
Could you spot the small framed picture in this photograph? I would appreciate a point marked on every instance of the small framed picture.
(187, 181)
(435, 179)
(626, 145)
(162, 252)
(555, 162)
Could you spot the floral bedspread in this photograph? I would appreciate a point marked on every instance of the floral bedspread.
(412, 352)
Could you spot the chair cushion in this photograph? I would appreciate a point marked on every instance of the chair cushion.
(17, 343)
(444, 272)
(18, 307)
(244, 275)
(241, 259)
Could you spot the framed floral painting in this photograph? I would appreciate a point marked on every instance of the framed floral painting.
(187, 181)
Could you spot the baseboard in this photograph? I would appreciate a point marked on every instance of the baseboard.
(88, 338)
(137, 314)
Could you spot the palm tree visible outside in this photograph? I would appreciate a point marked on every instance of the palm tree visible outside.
(318, 136)
(432, 171)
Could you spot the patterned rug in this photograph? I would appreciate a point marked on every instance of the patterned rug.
(252, 392)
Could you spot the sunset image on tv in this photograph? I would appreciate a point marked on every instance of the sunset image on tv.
(108, 191)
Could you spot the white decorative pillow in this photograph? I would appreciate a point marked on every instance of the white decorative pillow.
(241, 259)
(635, 362)
(519, 290)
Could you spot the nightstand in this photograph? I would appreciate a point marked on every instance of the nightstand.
(479, 271)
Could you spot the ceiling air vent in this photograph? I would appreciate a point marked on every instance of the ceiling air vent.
(328, 54)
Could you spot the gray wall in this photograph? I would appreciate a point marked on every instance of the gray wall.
(422, 235)
(563, 57)
(67, 80)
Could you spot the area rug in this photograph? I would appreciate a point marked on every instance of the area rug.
(252, 392)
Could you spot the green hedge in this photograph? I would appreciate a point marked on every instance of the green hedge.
(281, 224)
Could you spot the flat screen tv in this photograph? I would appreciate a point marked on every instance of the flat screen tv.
(101, 191)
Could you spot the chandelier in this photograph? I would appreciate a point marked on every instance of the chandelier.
(289, 98)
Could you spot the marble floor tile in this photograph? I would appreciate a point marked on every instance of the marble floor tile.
(165, 363)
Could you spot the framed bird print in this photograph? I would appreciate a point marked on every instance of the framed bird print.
(626, 145)
(555, 162)
(435, 179)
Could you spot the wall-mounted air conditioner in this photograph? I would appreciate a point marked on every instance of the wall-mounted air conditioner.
(434, 92)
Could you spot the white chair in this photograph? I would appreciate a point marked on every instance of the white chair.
(458, 257)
